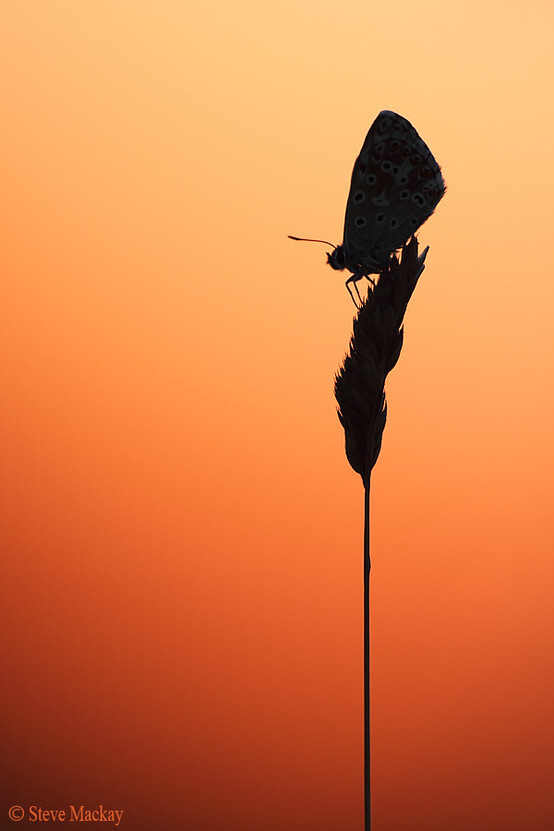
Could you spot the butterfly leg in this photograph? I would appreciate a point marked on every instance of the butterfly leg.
(354, 279)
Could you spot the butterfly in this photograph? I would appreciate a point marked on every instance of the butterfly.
(396, 185)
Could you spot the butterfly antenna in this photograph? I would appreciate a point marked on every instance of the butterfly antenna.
(304, 239)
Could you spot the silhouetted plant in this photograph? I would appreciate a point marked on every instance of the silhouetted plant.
(375, 347)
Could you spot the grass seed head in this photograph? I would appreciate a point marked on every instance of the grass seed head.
(375, 347)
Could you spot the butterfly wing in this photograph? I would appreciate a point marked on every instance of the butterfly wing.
(396, 185)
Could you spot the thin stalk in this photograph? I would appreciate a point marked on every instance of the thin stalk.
(367, 757)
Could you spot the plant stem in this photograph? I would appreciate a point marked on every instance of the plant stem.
(367, 567)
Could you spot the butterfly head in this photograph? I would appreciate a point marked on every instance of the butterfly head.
(337, 258)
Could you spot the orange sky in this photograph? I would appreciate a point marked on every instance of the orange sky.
(182, 532)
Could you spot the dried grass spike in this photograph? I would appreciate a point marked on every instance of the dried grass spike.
(375, 347)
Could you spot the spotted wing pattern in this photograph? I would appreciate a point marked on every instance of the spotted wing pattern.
(396, 185)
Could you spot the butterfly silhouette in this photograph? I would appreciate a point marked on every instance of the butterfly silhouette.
(396, 185)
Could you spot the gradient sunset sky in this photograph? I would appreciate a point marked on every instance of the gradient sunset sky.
(182, 534)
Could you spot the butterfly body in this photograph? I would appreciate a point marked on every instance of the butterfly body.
(396, 185)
